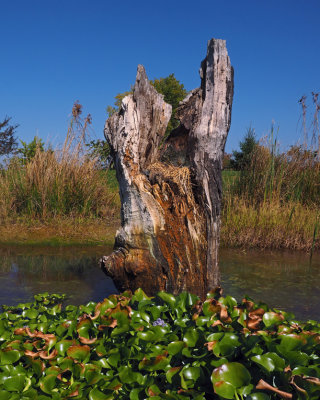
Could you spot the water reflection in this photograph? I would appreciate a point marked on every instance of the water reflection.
(285, 280)
(25, 271)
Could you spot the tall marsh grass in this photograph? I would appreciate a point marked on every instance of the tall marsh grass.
(60, 183)
(275, 202)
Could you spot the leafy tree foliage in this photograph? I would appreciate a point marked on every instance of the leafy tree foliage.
(100, 149)
(173, 92)
(117, 103)
(28, 150)
(8, 141)
(241, 159)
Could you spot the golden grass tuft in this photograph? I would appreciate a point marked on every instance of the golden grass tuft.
(269, 225)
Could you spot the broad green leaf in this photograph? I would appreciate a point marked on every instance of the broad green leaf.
(192, 373)
(134, 394)
(292, 342)
(48, 383)
(102, 362)
(224, 389)
(147, 336)
(191, 337)
(175, 347)
(95, 394)
(123, 324)
(114, 359)
(37, 366)
(265, 361)
(159, 363)
(127, 375)
(272, 318)
(228, 344)
(167, 298)
(92, 374)
(279, 362)
(228, 301)
(78, 352)
(9, 356)
(31, 313)
(14, 383)
(140, 295)
(234, 373)
(171, 372)
(5, 395)
(259, 396)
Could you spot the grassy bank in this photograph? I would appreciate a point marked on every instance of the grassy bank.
(59, 232)
(275, 201)
(63, 198)
(270, 225)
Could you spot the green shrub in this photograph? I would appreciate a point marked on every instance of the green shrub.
(165, 347)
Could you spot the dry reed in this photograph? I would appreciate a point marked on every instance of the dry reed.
(60, 183)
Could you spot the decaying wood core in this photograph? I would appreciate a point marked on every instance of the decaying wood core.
(171, 193)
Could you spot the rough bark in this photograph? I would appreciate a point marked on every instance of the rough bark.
(171, 193)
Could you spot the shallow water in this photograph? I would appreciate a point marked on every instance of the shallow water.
(285, 280)
(28, 270)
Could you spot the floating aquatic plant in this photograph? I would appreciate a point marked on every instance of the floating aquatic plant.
(132, 346)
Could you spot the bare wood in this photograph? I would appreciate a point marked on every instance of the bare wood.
(171, 198)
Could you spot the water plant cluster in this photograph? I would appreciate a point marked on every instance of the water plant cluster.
(132, 346)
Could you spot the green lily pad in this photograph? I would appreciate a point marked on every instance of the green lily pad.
(48, 383)
(175, 347)
(292, 342)
(31, 313)
(191, 337)
(78, 352)
(9, 356)
(147, 336)
(167, 298)
(95, 394)
(234, 373)
(266, 362)
(224, 389)
(191, 373)
(228, 344)
(171, 373)
(14, 383)
(258, 396)
(63, 345)
(271, 318)
(5, 395)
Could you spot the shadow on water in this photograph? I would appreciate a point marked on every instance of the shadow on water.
(284, 280)
(25, 271)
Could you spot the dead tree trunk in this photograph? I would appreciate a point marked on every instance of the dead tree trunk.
(171, 193)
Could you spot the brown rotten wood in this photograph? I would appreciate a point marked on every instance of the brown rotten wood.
(171, 193)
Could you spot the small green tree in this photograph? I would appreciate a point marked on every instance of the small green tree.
(117, 103)
(173, 92)
(28, 150)
(8, 141)
(240, 160)
(100, 150)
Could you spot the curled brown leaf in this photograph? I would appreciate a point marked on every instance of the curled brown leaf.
(263, 385)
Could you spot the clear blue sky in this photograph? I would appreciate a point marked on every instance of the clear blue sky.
(55, 52)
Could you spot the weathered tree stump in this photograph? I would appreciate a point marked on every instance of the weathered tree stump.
(171, 192)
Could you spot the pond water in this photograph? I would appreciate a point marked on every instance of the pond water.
(285, 280)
